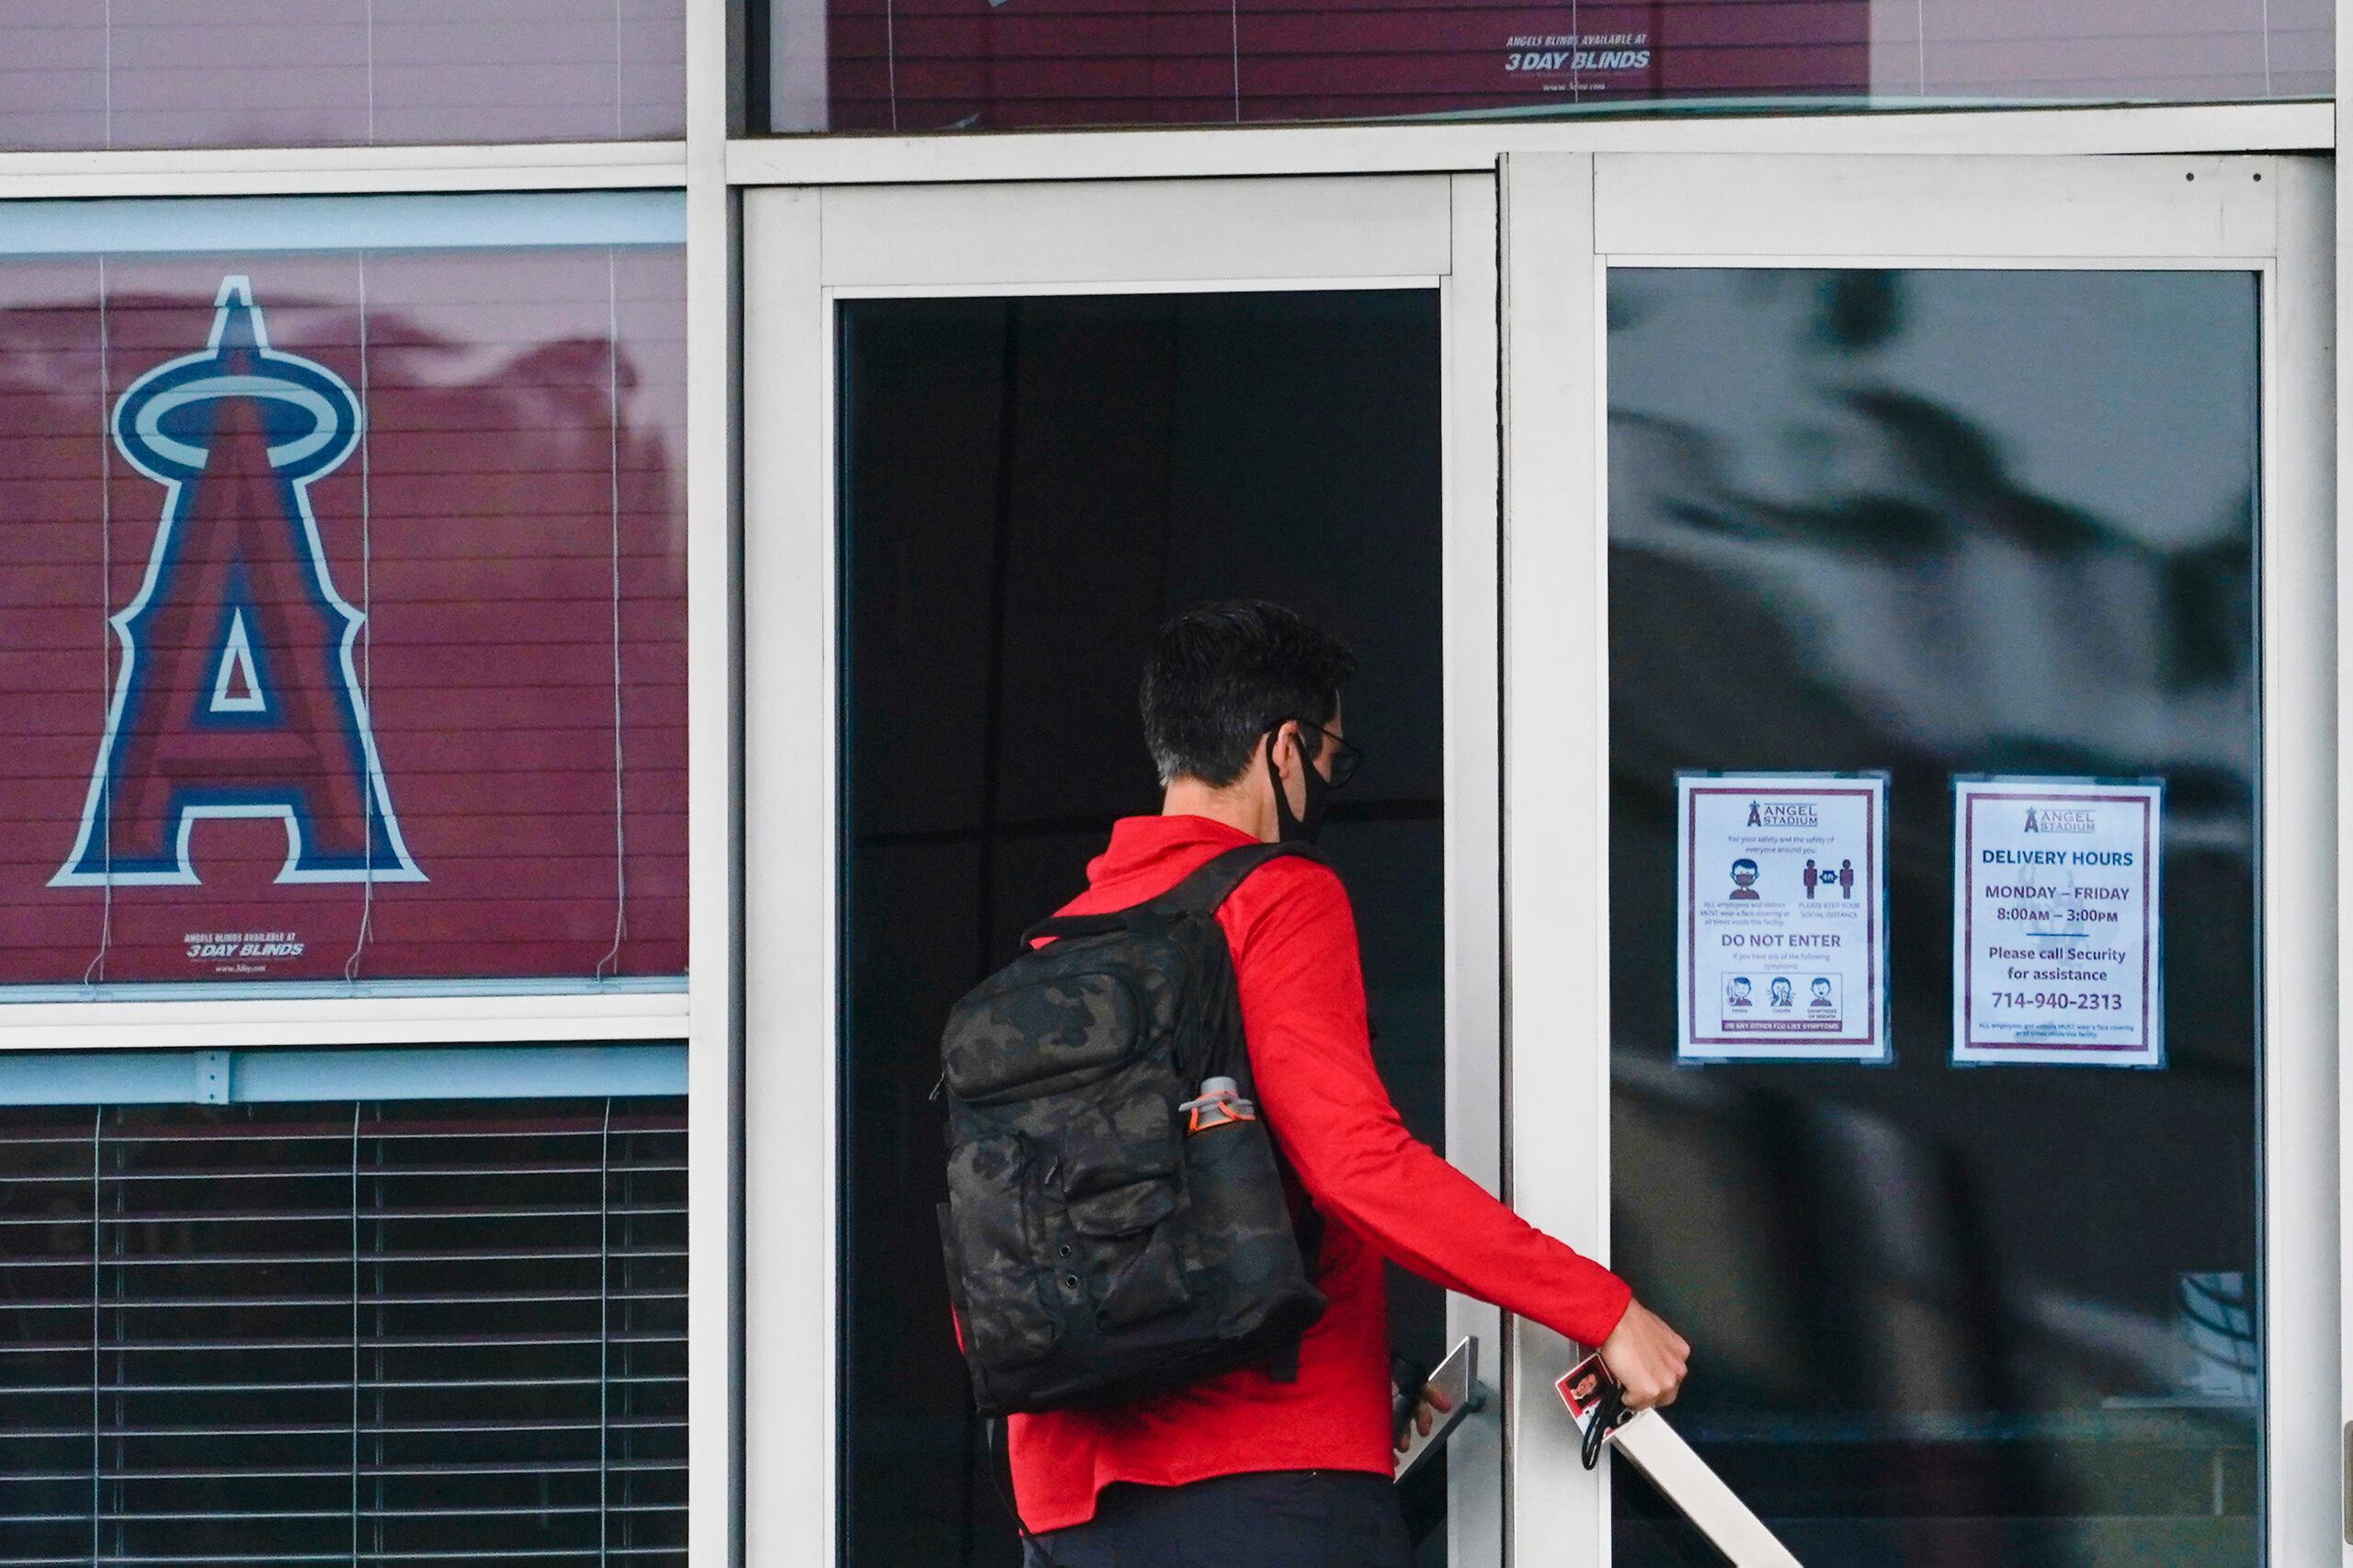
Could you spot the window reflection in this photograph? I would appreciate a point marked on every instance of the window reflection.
(130, 74)
(1938, 523)
(995, 64)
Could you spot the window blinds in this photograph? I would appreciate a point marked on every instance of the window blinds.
(343, 1332)
(918, 65)
(91, 74)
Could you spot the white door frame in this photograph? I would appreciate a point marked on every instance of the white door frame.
(805, 249)
(1565, 219)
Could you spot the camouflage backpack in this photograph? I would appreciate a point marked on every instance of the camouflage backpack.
(1112, 1231)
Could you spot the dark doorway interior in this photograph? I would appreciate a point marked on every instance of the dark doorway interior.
(1028, 487)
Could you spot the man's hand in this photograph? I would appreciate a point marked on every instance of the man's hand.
(1433, 1403)
(1647, 1358)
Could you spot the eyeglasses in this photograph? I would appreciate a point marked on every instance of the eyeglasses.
(1345, 758)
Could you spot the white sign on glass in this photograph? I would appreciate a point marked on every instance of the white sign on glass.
(1781, 917)
(2056, 930)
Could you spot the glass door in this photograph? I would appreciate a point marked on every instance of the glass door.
(995, 437)
(1943, 547)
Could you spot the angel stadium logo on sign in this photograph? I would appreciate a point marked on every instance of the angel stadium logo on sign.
(235, 693)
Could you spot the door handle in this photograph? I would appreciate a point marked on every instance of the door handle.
(1660, 1453)
(1670, 1464)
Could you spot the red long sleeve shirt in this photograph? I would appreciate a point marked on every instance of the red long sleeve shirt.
(1382, 1192)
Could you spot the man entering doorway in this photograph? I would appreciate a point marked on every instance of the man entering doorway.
(1242, 713)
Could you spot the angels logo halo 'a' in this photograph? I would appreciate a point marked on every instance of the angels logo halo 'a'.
(235, 690)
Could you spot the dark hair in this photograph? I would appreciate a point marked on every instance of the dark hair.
(1221, 675)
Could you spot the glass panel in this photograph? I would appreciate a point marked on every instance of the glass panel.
(1028, 488)
(984, 65)
(346, 638)
(89, 74)
(1943, 523)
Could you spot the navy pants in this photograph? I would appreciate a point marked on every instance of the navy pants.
(1279, 1518)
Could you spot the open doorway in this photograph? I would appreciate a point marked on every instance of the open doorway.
(1028, 486)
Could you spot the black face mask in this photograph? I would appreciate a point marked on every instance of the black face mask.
(1302, 828)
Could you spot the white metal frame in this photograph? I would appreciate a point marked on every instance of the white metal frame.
(805, 250)
(2341, 1190)
(715, 1136)
(1566, 219)
(303, 170)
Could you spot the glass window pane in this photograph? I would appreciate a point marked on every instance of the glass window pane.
(1945, 523)
(983, 65)
(347, 581)
(91, 74)
(1028, 488)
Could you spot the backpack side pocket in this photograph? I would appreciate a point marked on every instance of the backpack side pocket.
(1246, 1234)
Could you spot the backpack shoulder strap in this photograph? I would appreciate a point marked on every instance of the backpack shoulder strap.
(1200, 891)
(1209, 884)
